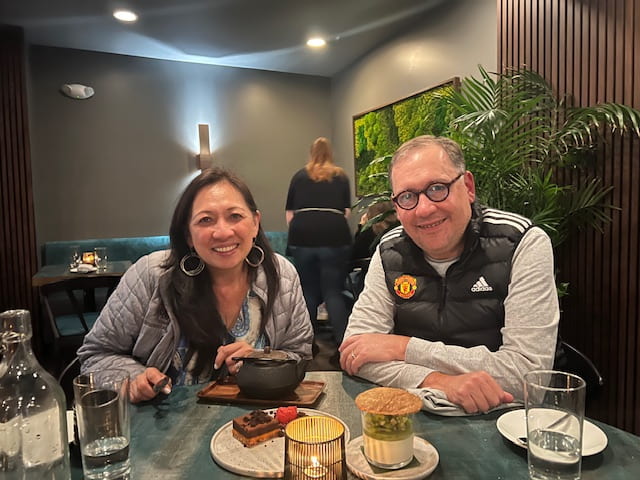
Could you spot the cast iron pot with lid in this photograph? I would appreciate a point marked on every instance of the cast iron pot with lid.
(269, 374)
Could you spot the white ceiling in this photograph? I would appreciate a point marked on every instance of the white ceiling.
(262, 34)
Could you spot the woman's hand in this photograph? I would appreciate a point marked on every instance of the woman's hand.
(142, 386)
(227, 352)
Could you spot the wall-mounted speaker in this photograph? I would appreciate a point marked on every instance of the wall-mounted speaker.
(77, 91)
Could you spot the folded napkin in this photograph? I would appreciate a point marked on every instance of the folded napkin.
(435, 401)
(83, 268)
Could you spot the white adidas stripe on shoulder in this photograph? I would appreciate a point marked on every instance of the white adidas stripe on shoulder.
(515, 225)
(495, 213)
(393, 233)
(498, 217)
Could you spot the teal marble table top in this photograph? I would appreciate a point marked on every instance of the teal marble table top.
(171, 436)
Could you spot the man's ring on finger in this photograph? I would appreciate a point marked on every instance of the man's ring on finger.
(353, 355)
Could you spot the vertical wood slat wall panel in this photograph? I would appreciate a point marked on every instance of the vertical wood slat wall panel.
(634, 32)
(590, 50)
(18, 256)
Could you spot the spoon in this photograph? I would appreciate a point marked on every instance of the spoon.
(555, 423)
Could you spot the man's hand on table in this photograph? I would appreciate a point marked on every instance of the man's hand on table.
(474, 391)
(357, 350)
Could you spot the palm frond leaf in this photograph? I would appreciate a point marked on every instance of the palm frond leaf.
(517, 135)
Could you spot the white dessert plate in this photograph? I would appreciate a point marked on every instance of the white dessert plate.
(265, 460)
(425, 461)
(513, 425)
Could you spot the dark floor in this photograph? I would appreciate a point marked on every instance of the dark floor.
(325, 351)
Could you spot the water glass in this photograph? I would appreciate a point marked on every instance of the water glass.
(102, 413)
(100, 258)
(74, 256)
(554, 403)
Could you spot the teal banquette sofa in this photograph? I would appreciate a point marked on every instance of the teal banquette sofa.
(131, 248)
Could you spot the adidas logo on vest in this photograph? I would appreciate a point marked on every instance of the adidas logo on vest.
(481, 285)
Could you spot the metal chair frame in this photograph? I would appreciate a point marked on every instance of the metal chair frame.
(570, 359)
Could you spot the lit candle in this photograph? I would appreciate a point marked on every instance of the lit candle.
(315, 470)
(88, 257)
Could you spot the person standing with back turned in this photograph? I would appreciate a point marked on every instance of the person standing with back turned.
(317, 208)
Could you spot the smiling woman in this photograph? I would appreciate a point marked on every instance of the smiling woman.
(220, 292)
(222, 229)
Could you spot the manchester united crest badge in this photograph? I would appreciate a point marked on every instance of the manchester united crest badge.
(405, 286)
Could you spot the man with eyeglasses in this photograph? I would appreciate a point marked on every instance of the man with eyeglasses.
(460, 298)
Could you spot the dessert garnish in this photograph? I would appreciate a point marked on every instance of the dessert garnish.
(285, 414)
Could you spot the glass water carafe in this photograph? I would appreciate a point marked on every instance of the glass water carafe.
(33, 428)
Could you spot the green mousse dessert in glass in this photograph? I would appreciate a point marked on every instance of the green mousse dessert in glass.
(387, 425)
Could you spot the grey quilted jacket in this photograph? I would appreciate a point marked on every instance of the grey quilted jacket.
(137, 328)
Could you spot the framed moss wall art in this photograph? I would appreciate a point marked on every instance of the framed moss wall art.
(379, 132)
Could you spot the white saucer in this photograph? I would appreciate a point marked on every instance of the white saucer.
(425, 461)
(265, 460)
(513, 425)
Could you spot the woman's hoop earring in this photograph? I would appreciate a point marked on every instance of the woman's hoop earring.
(259, 262)
(191, 256)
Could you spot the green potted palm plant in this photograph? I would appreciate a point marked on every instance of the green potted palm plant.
(518, 137)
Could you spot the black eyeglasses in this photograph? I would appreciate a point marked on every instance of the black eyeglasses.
(436, 192)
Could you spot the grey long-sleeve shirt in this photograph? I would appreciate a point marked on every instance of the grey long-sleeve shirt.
(528, 336)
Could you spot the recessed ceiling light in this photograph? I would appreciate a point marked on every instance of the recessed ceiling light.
(125, 16)
(316, 42)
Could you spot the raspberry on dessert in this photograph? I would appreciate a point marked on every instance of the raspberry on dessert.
(285, 414)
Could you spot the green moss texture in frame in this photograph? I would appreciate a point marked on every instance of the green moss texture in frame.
(379, 132)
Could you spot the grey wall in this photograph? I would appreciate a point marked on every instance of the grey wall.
(114, 165)
(452, 42)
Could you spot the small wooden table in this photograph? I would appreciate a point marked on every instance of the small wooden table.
(56, 273)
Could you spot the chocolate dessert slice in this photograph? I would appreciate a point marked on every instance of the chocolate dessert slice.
(255, 427)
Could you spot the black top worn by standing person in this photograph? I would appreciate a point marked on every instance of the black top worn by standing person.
(323, 224)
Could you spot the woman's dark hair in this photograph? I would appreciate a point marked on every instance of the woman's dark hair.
(192, 299)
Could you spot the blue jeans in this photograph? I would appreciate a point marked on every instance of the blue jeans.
(322, 272)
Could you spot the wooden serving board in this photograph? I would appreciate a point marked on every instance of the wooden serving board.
(305, 394)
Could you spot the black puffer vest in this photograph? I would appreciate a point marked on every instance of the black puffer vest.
(466, 307)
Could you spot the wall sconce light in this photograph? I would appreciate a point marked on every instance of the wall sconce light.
(204, 159)
(77, 91)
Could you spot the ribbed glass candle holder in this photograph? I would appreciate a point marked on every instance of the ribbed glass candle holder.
(314, 449)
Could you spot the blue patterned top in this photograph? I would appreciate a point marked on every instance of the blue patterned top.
(246, 328)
